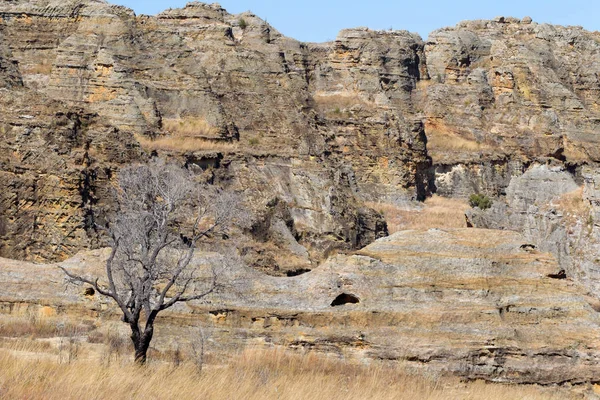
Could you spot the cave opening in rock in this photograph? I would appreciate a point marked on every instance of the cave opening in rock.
(345, 298)
(297, 272)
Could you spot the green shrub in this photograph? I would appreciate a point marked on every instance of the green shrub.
(253, 141)
(480, 201)
(243, 24)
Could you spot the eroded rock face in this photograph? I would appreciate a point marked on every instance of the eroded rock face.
(514, 89)
(372, 116)
(9, 72)
(505, 94)
(313, 124)
(556, 211)
(55, 166)
(478, 303)
(309, 133)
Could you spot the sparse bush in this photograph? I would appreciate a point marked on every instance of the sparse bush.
(480, 201)
(69, 346)
(35, 327)
(95, 337)
(253, 141)
(198, 346)
(243, 24)
(114, 343)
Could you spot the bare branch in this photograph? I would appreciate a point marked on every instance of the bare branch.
(81, 279)
(182, 264)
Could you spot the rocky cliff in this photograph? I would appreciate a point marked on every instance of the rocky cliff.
(308, 127)
(315, 136)
(481, 304)
(315, 128)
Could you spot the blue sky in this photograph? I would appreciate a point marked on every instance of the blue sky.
(318, 21)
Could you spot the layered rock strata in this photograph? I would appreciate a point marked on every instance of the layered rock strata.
(310, 133)
(478, 303)
(373, 116)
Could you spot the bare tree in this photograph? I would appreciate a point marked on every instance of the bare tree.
(162, 216)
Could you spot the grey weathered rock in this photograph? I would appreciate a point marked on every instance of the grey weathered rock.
(477, 303)
(554, 213)
(495, 98)
(310, 133)
(9, 71)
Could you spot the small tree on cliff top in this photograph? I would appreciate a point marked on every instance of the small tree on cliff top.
(162, 216)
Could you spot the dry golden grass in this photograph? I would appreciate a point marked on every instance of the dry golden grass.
(338, 101)
(442, 138)
(437, 212)
(189, 127)
(575, 208)
(453, 143)
(184, 144)
(44, 68)
(184, 135)
(253, 374)
(34, 326)
(573, 202)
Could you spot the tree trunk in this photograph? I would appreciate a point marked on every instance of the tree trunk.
(141, 342)
(140, 353)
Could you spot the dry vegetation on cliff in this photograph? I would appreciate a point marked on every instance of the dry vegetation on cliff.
(437, 212)
(452, 143)
(186, 134)
(574, 207)
(251, 374)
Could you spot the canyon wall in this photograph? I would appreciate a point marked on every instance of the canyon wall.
(318, 129)
(314, 136)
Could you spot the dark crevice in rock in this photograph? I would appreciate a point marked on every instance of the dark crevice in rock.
(204, 161)
(345, 298)
(527, 247)
(297, 272)
(503, 310)
(560, 275)
(223, 312)
(559, 154)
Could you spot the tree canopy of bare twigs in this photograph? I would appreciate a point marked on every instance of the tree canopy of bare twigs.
(162, 216)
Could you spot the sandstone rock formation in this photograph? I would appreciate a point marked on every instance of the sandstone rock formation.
(477, 303)
(253, 87)
(333, 124)
(556, 213)
(312, 134)
(525, 90)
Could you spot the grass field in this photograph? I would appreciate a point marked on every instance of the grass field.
(29, 372)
